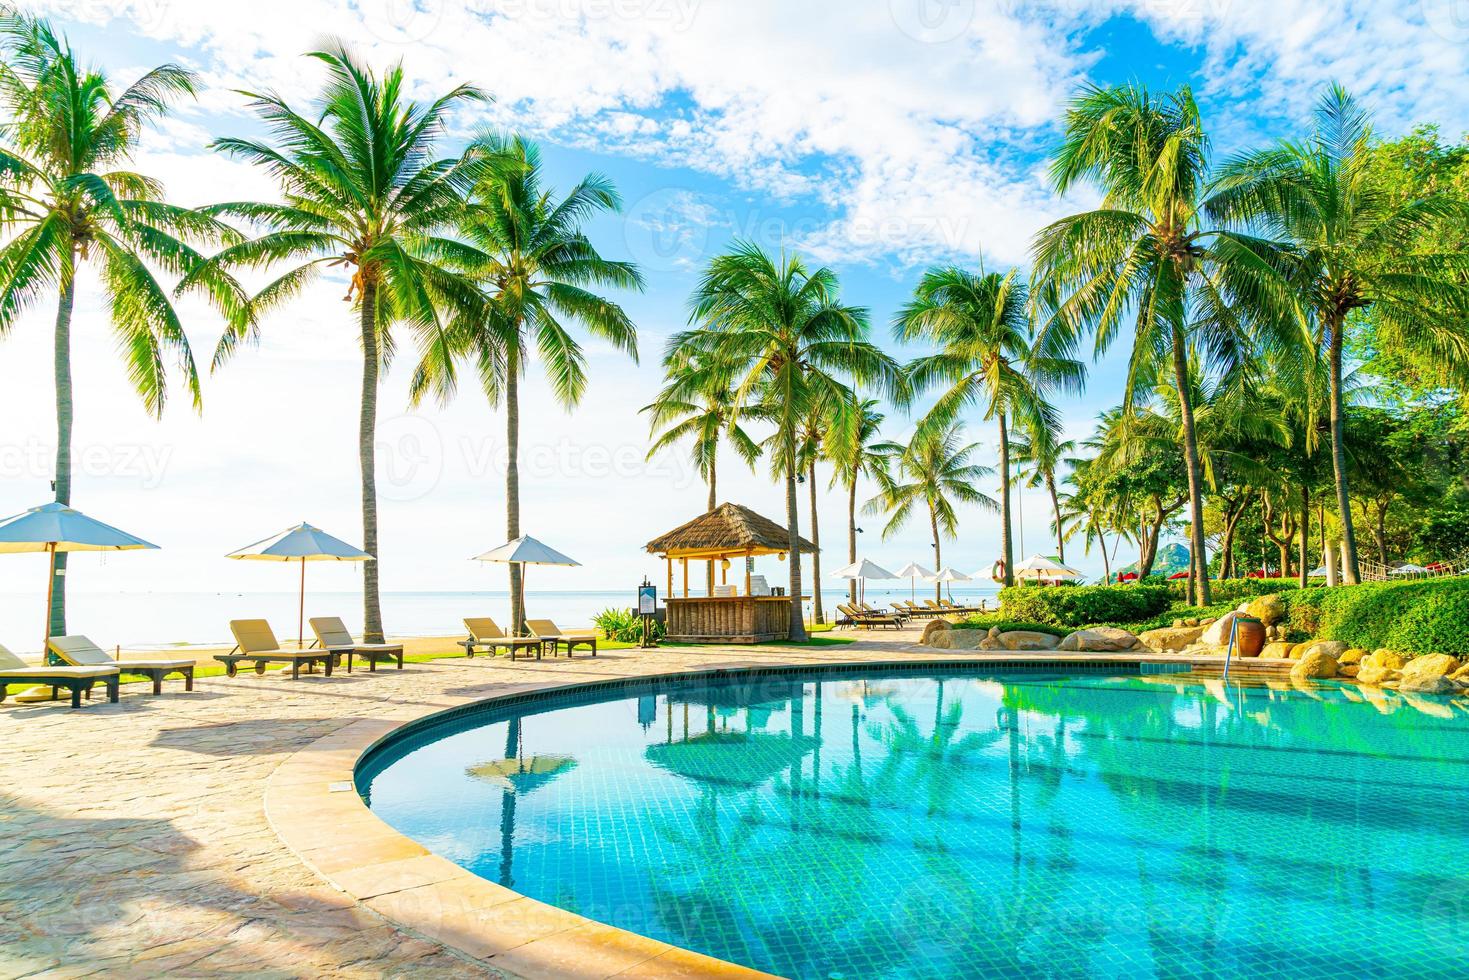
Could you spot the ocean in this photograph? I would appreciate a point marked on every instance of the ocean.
(143, 620)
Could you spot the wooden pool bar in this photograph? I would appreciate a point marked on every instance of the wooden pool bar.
(725, 613)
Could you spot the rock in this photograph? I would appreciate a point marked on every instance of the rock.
(991, 639)
(1313, 665)
(1192, 622)
(1276, 651)
(1426, 683)
(1298, 650)
(1347, 670)
(1171, 639)
(1462, 674)
(1208, 621)
(1028, 640)
(1268, 609)
(941, 640)
(1178, 624)
(963, 639)
(1380, 667)
(1332, 648)
(1100, 639)
(1430, 665)
(930, 628)
(1352, 656)
(1386, 658)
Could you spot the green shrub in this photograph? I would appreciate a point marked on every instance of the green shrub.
(624, 625)
(1235, 590)
(1007, 625)
(1084, 605)
(1411, 617)
(1175, 611)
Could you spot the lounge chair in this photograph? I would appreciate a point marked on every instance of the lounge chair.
(255, 643)
(82, 652)
(77, 680)
(947, 608)
(548, 631)
(910, 608)
(857, 617)
(871, 610)
(484, 632)
(332, 635)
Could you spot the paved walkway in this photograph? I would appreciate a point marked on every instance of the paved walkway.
(134, 836)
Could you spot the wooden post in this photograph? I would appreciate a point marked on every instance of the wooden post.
(668, 594)
(685, 578)
(711, 576)
(747, 573)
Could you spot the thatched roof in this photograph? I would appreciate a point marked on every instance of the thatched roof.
(727, 529)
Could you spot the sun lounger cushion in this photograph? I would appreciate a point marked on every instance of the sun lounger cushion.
(82, 652)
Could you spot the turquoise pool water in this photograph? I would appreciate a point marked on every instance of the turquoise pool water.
(965, 825)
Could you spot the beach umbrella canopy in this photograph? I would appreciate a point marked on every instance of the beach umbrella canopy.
(526, 550)
(862, 571)
(1318, 572)
(913, 572)
(1408, 569)
(54, 527)
(1048, 569)
(947, 575)
(301, 543)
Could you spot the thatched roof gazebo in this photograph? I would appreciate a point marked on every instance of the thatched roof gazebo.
(728, 531)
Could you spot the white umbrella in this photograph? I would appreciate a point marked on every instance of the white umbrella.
(1318, 572)
(56, 528)
(862, 571)
(912, 572)
(1041, 567)
(301, 543)
(525, 550)
(949, 575)
(1408, 569)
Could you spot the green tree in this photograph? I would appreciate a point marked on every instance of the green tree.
(1355, 247)
(793, 337)
(936, 471)
(70, 200)
(981, 327)
(363, 190)
(852, 446)
(529, 254)
(1192, 288)
(1040, 454)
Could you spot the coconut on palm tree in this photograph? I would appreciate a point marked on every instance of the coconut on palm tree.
(1148, 253)
(853, 448)
(793, 339)
(1353, 248)
(364, 191)
(528, 253)
(986, 357)
(71, 201)
(934, 471)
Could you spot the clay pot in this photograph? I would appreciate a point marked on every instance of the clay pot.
(1249, 636)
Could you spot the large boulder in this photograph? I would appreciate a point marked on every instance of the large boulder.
(1298, 650)
(1101, 639)
(1269, 609)
(1429, 674)
(1331, 648)
(960, 639)
(1276, 651)
(1353, 656)
(1390, 659)
(1217, 635)
(1315, 664)
(1171, 639)
(1027, 640)
(1380, 667)
(932, 628)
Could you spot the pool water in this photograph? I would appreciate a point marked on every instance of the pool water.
(958, 824)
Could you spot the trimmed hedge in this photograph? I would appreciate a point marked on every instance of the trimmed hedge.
(1084, 605)
(1411, 617)
(1009, 625)
(1236, 590)
(1177, 611)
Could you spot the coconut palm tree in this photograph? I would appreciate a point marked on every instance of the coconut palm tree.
(1040, 454)
(935, 470)
(786, 327)
(1191, 287)
(527, 251)
(363, 190)
(1355, 248)
(697, 403)
(981, 326)
(851, 445)
(70, 200)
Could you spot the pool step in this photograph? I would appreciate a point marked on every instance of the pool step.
(1246, 666)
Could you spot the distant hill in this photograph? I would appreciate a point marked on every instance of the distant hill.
(1171, 558)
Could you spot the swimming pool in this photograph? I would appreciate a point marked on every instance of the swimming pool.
(953, 823)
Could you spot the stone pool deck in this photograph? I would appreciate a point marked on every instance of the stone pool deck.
(137, 840)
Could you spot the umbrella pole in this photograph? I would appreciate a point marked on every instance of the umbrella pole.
(301, 611)
(50, 596)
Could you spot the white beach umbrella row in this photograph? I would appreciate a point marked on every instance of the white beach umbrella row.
(301, 543)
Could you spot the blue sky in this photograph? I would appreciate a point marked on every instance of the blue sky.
(879, 137)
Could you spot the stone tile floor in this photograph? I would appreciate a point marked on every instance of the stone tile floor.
(133, 837)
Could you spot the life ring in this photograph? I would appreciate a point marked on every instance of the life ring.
(998, 572)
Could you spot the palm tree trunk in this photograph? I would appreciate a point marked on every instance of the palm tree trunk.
(1056, 510)
(713, 503)
(938, 557)
(372, 614)
(512, 486)
(1305, 534)
(1106, 563)
(1199, 583)
(852, 535)
(797, 631)
(1007, 547)
(817, 615)
(56, 615)
(1339, 460)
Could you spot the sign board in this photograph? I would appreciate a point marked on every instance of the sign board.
(647, 600)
